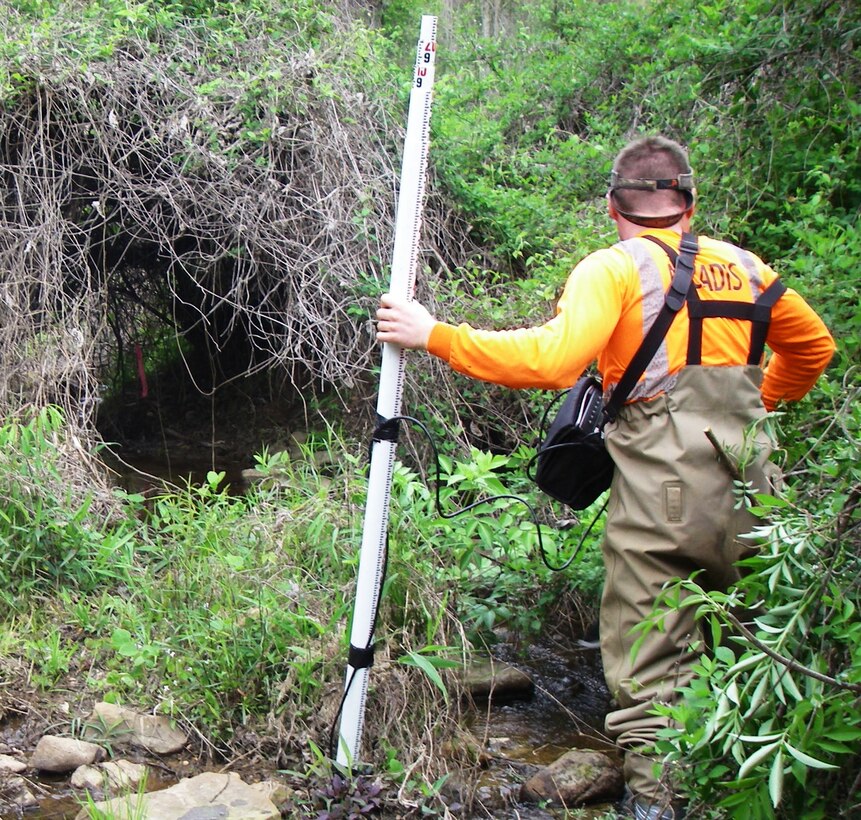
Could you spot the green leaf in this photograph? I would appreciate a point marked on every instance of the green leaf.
(745, 662)
(790, 687)
(213, 478)
(807, 760)
(725, 654)
(757, 697)
(775, 779)
(834, 746)
(760, 738)
(756, 758)
(844, 733)
(732, 692)
(427, 666)
(121, 640)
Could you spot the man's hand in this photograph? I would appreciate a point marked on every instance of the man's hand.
(403, 323)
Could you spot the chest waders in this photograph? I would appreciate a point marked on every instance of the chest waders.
(672, 512)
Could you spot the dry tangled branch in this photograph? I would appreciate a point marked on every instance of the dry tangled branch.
(239, 194)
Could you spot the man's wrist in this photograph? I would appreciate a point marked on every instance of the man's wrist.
(440, 339)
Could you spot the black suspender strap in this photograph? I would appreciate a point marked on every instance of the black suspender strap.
(695, 327)
(758, 313)
(682, 289)
(762, 319)
(673, 301)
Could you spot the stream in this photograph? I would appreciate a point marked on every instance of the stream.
(565, 711)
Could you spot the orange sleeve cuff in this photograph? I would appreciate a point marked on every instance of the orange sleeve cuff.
(439, 341)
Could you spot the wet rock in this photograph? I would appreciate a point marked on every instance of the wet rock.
(155, 733)
(12, 764)
(487, 678)
(495, 792)
(63, 754)
(492, 791)
(250, 475)
(14, 792)
(575, 778)
(209, 796)
(110, 777)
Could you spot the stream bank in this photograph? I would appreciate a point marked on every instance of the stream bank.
(517, 733)
(516, 736)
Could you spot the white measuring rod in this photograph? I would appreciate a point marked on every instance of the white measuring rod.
(402, 284)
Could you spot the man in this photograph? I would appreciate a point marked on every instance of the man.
(672, 509)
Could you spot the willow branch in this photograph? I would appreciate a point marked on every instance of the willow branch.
(790, 664)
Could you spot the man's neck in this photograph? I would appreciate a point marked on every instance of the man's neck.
(628, 230)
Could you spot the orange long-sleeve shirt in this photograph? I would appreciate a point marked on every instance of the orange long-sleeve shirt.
(600, 315)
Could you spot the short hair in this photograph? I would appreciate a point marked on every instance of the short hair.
(652, 157)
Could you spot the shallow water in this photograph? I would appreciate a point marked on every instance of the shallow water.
(565, 712)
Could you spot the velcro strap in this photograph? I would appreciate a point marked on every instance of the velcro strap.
(387, 429)
(361, 658)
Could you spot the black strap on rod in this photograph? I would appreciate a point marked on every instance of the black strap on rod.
(387, 429)
(361, 657)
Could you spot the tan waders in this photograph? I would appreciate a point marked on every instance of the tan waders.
(672, 512)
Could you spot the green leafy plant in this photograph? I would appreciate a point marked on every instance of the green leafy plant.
(487, 554)
(769, 726)
(430, 660)
(49, 532)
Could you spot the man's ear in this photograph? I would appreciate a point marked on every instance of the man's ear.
(688, 215)
(690, 211)
(611, 208)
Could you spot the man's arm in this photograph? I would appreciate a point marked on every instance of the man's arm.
(550, 355)
(801, 346)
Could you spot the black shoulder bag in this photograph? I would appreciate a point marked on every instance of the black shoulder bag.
(572, 464)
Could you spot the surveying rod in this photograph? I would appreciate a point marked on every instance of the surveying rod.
(402, 284)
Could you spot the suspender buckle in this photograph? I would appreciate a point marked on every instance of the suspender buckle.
(689, 244)
(684, 272)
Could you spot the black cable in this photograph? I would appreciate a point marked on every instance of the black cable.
(388, 430)
(532, 514)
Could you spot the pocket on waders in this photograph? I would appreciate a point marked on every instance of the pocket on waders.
(673, 498)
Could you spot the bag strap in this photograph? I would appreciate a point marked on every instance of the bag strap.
(675, 297)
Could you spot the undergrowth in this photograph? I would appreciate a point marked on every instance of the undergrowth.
(229, 613)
